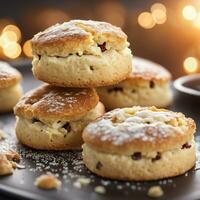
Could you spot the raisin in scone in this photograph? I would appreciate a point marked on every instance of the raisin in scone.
(147, 85)
(140, 143)
(81, 53)
(10, 88)
(53, 118)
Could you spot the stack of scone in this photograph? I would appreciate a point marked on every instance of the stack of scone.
(136, 143)
(73, 58)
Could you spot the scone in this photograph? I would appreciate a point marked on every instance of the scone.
(53, 118)
(81, 53)
(10, 88)
(147, 85)
(140, 143)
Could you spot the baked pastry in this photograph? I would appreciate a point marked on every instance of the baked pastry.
(10, 88)
(144, 87)
(81, 53)
(139, 143)
(52, 118)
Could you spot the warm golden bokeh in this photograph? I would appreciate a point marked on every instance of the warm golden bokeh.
(12, 50)
(146, 20)
(190, 64)
(27, 48)
(189, 12)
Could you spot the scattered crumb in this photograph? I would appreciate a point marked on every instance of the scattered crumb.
(16, 165)
(47, 181)
(12, 155)
(77, 184)
(155, 191)
(2, 135)
(100, 189)
(84, 181)
(6, 167)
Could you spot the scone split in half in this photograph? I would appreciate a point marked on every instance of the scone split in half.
(10, 88)
(147, 85)
(140, 143)
(53, 118)
(81, 53)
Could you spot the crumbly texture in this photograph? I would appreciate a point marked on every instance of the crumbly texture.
(78, 36)
(140, 143)
(155, 192)
(144, 87)
(55, 135)
(48, 182)
(8, 75)
(108, 68)
(54, 103)
(9, 97)
(148, 166)
(6, 167)
(128, 130)
(81, 53)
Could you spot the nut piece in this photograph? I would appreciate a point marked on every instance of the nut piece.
(2, 135)
(6, 167)
(12, 155)
(84, 181)
(155, 192)
(100, 189)
(47, 181)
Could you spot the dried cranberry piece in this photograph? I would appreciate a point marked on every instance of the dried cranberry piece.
(158, 157)
(115, 89)
(99, 165)
(151, 84)
(35, 120)
(102, 46)
(186, 146)
(136, 156)
(67, 126)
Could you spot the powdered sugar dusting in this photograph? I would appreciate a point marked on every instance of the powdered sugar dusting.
(124, 125)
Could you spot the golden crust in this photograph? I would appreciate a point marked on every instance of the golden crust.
(128, 130)
(146, 70)
(54, 103)
(8, 75)
(77, 36)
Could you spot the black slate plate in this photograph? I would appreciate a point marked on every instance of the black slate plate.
(68, 166)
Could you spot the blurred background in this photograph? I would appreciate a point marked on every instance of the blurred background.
(165, 31)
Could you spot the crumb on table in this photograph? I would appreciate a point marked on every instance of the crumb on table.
(100, 189)
(155, 192)
(6, 167)
(2, 135)
(47, 181)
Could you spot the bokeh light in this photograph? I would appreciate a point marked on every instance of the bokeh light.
(158, 6)
(146, 20)
(14, 29)
(189, 12)
(159, 16)
(190, 64)
(12, 50)
(27, 48)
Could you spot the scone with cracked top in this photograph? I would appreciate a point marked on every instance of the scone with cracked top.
(10, 88)
(53, 118)
(140, 143)
(81, 53)
(147, 85)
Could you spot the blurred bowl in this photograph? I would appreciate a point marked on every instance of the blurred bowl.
(188, 85)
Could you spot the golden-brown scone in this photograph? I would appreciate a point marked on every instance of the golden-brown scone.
(81, 53)
(52, 118)
(144, 87)
(10, 88)
(140, 143)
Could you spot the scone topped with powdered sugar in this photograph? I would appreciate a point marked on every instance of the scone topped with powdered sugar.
(140, 143)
